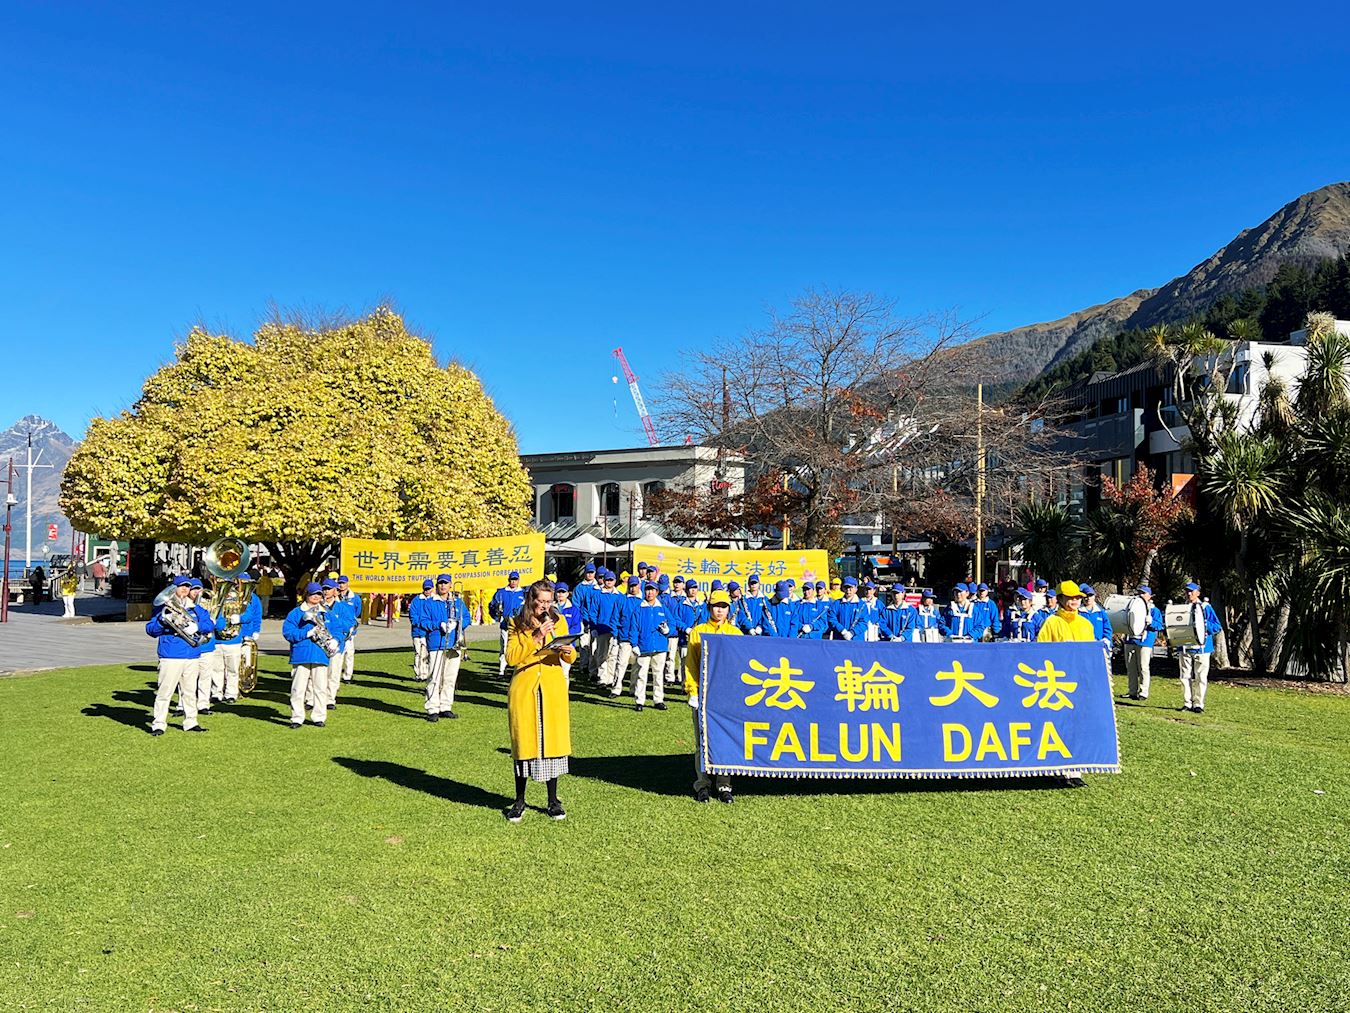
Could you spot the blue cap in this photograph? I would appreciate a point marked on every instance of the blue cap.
(633, 580)
(791, 582)
(442, 578)
(608, 574)
(733, 585)
(1192, 586)
(312, 588)
(590, 567)
(663, 583)
(1087, 589)
(181, 581)
(561, 586)
(820, 585)
(330, 584)
(927, 593)
(898, 589)
(1024, 594)
(850, 581)
(716, 586)
(642, 566)
(1145, 589)
(782, 588)
(981, 587)
(428, 584)
(250, 575)
(752, 579)
(1050, 592)
(1042, 583)
(194, 582)
(960, 587)
(513, 575)
(650, 585)
(691, 583)
(343, 579)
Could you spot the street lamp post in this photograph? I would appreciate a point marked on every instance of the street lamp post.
(9, 506)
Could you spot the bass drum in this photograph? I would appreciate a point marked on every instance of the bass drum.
(1129, 614)
(1185, 625)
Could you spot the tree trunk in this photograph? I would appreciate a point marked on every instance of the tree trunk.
(1258, 656)
(297, 559)
(1148, 566)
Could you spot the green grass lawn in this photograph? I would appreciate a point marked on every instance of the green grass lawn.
(367, 865)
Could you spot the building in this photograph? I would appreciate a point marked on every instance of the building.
(1122, 422)
(592, 504)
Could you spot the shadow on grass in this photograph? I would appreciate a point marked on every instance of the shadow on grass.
(132, 717)
(421, 780)
(374, 704)
(673, 774)
(255, 712)
(484, 701)
(144, 668)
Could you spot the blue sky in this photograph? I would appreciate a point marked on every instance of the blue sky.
(543, 183)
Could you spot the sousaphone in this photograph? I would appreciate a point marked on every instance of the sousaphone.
(226, 560)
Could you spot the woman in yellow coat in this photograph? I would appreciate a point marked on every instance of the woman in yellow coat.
(541, 738)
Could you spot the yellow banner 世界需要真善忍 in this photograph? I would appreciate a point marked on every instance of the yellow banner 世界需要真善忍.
(379, 566)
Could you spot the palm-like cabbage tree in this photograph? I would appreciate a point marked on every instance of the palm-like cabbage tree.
(1050, 538)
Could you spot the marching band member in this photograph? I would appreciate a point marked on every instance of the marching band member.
(958, 618)
(927, 620)
(869, 620)
(210, 663)
(309, 661)
(642, 573)
(695, 609)
(719, 605)
(844, 616)
(177, 653)
(812, 618)
(1046, 611)
(1096, 615)
(897, 618)
(582, 597)
(229, 646)
(1021, 619)
(988, 624)
(451, 616)
(1139, 650)
(749, 616)
(541, 735)
(421, 625)
(670, 601)
(626, 634)
(1193, 662)
(506, 603)
(1067, 624)
(339, 620)
(793, 596)
(779, 615)
(607, 609)
(654, 626)
(353, 602)
(562, 601)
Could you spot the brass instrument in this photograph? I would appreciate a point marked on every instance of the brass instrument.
(326, 640)
(248, 667)
(226, 560)
(173, 615)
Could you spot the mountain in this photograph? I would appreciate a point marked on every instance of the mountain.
(1314, 227)
(50, 446)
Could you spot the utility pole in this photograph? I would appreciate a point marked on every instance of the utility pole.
(9, 505)
(979, 482)
(28, 503)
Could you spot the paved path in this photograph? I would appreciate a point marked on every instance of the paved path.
(37, 638)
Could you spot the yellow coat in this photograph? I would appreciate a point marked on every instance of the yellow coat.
(693, 655)
(536, 677)
(1065, 625)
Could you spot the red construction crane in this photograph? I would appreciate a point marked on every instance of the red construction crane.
(637, 399)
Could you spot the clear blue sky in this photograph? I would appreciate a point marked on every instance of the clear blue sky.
(541, 184)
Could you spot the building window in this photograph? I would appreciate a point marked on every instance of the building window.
(609, 499)
(650, 489)
(562, 502)
(1237, 381)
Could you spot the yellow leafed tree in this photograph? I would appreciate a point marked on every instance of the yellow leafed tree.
(309, 433)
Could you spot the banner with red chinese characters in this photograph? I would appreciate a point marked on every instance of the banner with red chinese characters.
(813, 708)
(384, 567)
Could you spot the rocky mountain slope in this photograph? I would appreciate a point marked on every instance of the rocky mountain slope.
(50, 446)
(1313, 227)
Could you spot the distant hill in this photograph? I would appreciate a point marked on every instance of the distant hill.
(1312, 228)
(50, 446)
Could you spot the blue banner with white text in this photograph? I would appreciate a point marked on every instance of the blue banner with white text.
(844, 708)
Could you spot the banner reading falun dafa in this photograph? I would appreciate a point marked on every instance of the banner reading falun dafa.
(389, 567)
(729, 564)
(813, 708)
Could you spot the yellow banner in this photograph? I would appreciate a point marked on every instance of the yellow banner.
(730, 564)
(380, 567)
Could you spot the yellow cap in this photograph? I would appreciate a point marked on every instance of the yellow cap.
(719, 598)
(1068, 589)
